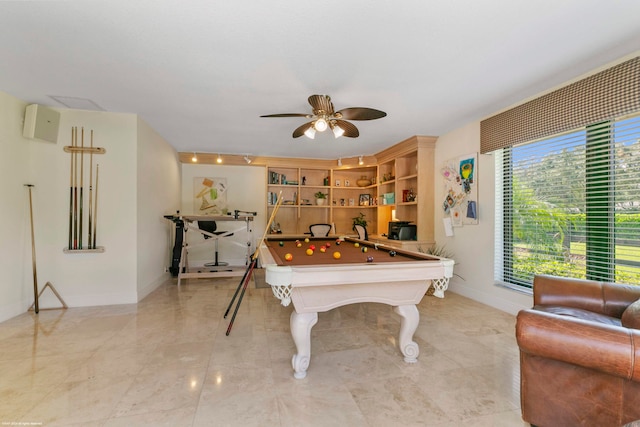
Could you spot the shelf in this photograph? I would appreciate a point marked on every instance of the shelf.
(97, 250)
(403, 178)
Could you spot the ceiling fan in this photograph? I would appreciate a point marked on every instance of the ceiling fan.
(324, 117)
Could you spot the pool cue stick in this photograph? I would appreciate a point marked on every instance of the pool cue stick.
(33, 254)
(75, 194)
(271, 218)
(90, 191)
(254, 260)
(95, 210)
(81, 188)
(71, 197)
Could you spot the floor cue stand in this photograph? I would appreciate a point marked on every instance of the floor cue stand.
(35, 306)
(53, 289)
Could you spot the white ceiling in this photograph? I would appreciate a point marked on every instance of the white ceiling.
(201, 72)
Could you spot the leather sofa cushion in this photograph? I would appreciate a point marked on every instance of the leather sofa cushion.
(631, 316)
(581, 314)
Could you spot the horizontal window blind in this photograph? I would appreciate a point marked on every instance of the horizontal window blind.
(569, 205)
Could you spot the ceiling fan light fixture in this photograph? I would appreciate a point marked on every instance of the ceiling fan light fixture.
(219, 159)
(194, 159)
(247, 159)
(340, 162)
(320, 125)
(360, 161)
(310, 132)
(337, 130)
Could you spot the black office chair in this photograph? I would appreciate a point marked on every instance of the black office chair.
(211, 227)
(362, 232)
(319, 230)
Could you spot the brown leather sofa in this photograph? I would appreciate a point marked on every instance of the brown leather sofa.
(580, 353)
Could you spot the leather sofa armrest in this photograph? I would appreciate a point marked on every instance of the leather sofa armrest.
(611, 349)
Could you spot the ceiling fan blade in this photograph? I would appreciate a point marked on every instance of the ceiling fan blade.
(321, 104)
(288, 115)
(350, 131)
(360, 113)
(302, 129)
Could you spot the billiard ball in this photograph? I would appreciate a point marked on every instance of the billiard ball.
(281, 243)
(298, 245)
(309, 251)
(364, 249)
(369, 259)
(328, 244)
(306, 240)
(312, 247)
(338, 242)
(323, 249)
(336, 255)
(288, 257)
(392, 253)
(356, 245)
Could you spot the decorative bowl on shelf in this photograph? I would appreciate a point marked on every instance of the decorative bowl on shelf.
(363, 182)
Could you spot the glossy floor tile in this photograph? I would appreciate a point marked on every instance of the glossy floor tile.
(168, 362)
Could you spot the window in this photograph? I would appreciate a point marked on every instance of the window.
(569, 205)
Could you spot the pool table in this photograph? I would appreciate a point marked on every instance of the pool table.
(364, 272)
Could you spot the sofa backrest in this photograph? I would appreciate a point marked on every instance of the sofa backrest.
(605, 298)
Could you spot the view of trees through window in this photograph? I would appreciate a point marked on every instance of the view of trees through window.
(571, 206)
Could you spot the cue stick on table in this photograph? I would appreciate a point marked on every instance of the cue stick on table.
(247, 275)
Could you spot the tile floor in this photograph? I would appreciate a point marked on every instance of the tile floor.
(167, 362)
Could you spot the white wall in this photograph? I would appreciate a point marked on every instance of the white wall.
(158, 194)
(16, 280)
(85, 279)
(139, 182)
(472, 245)
(245, 192)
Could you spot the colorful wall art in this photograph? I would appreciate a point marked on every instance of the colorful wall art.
(461, 189)
(210, 196)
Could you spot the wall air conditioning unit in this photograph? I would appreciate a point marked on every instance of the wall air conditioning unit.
(41, 122)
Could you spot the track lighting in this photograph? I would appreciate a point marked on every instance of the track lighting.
(219, 159)
(339, 162)
(194, 159)
(360, 161)
(247, 159)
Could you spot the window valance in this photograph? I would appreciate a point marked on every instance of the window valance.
(611, 93)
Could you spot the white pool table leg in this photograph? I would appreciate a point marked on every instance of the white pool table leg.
(301, 324)
(408, 324)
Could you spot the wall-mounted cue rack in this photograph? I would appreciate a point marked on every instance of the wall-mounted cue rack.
(77, 202)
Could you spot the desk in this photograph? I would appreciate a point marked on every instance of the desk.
(319, 283)
(180, 264)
